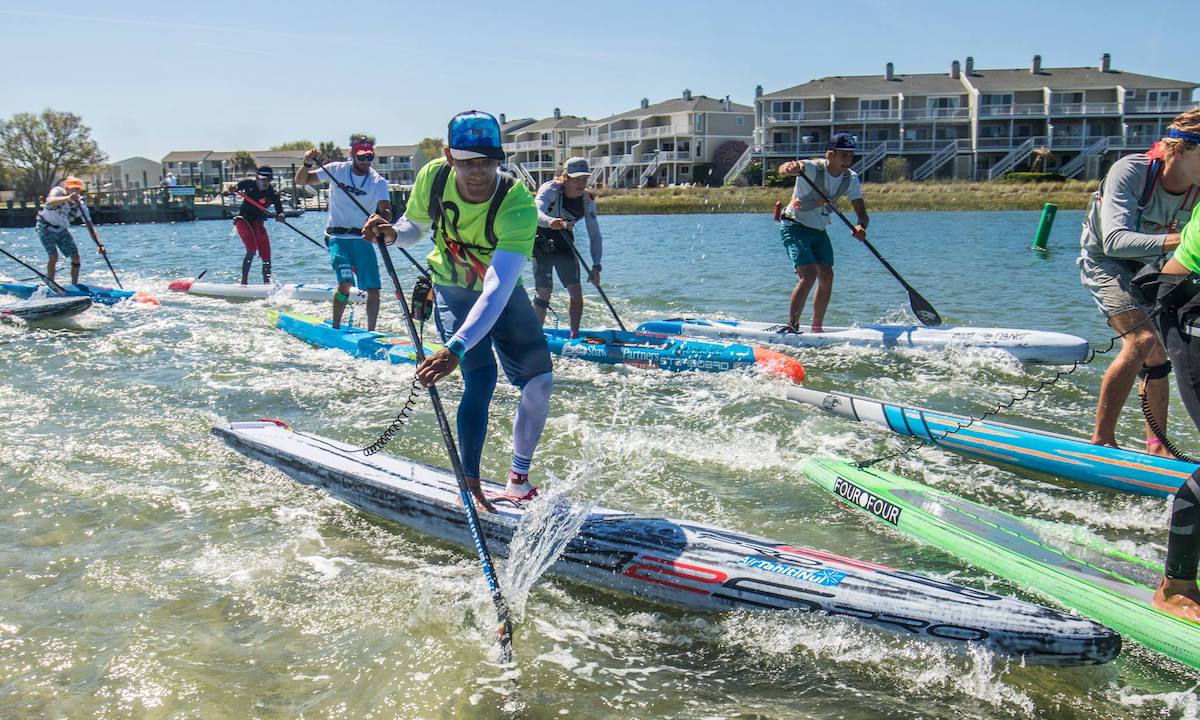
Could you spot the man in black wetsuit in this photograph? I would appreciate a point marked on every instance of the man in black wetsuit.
(256, 194)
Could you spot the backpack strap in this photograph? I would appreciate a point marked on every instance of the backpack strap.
(505, 184)
(436, 192)
(1152, 174)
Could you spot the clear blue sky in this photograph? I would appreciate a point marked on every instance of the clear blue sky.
(150, 77)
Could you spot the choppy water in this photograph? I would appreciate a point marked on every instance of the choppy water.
(149, 572)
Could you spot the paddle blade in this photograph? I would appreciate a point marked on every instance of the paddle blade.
(923, 310)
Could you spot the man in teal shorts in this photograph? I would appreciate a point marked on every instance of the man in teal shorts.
(802, 227)
(353, 258)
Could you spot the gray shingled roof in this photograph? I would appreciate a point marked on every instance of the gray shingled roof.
(698, 103)
(514, 125)
(1080, 78)
(566, 121)
(186, 155)
(854, 85)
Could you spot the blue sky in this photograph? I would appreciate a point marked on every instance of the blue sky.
(150, 77)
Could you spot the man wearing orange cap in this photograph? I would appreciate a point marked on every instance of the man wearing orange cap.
(63, 205)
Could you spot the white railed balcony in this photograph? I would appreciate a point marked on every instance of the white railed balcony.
(811, 116)
(958, 113)
(582, 140)
(1084, 108)
(665, 131)
(539, 165)
(1143, 106)
(934, 145)
(602, 138)
(630, 134)
(1012, 110)
(1004, 144)
(862, 114)
(529, 145)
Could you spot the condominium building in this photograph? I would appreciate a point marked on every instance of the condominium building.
(208, 169)
(666, 143)
(128, 174)
(970, 122)
(538, 150)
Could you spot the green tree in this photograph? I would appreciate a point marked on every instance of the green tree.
(725, 157)
(242, 163)
(44, 148)
(295, 145)
(431, 148)
(895, 169)
(328, 152)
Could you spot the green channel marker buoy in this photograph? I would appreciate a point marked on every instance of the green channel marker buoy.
(1049, 210)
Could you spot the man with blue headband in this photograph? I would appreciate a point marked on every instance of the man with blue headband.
(484, 224)
(1133, 220)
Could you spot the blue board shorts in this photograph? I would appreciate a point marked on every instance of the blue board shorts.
(517, 334)
(805, 245)
(354, 260)
(56, 240)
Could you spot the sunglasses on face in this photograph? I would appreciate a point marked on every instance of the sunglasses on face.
(364, 158)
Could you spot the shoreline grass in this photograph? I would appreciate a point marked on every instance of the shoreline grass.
(880, 197)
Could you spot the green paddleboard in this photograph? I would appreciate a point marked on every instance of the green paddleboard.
(1102, 583)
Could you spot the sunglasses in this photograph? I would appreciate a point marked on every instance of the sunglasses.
(364, 158)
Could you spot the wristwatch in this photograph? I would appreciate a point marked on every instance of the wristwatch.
(597, 268)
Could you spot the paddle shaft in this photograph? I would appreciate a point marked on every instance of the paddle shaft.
(100, 246)
(464, 492)
(921, 307)
(350, 195)
(55, 286)
(302, 234)
(599, 289)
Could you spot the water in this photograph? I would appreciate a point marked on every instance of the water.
(149, 572)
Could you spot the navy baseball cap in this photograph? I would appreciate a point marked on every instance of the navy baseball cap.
(265, 171)
(843, 141)
(474, 134)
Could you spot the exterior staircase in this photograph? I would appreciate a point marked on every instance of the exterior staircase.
(739, 166)
(944, 155)
(1011, 160)
(519, 171)
(869, 160)
(651, 168)
(1078, 162)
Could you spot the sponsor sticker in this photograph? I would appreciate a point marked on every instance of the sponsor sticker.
(823, 576)
(877, 506)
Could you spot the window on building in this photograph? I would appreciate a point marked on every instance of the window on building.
(995, 98)
(1130, 94)
(1023, 130)
(685, 170)
(1067, 98)
(779, 138)
(992, 131)
(739, 121)
(383, 159)
(699, 148)
(786, 106)
(878, 135)
(1072, 130)
(699, 123)
(875, 107)
(916, 133)
(1162, 98)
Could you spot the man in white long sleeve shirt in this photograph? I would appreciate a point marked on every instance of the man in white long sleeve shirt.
(562, 203)
(484, 227)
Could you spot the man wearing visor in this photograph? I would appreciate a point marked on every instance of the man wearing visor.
(806, 217)
(353, 258)
(484, 224)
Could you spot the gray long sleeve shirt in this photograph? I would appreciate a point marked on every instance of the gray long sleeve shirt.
(550, 207)
(1114, 227)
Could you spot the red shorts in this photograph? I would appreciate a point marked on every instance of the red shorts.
(254, 237)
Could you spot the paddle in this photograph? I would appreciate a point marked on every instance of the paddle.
(464, 492)
(303, 234)
(100, 246)
(50, 283)
(598, 288)
(920, 306)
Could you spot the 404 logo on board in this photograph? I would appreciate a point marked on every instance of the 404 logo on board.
(873, 504)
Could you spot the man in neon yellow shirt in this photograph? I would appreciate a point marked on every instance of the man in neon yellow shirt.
(484, 224)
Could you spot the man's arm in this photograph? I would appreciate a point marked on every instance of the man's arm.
(305, 175)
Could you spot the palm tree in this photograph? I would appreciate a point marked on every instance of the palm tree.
(1041, 159)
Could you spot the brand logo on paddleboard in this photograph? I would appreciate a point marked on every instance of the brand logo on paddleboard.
(877, 506)
(830, 402)
(823, 576)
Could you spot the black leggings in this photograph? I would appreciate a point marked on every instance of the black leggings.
(1183, 543)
